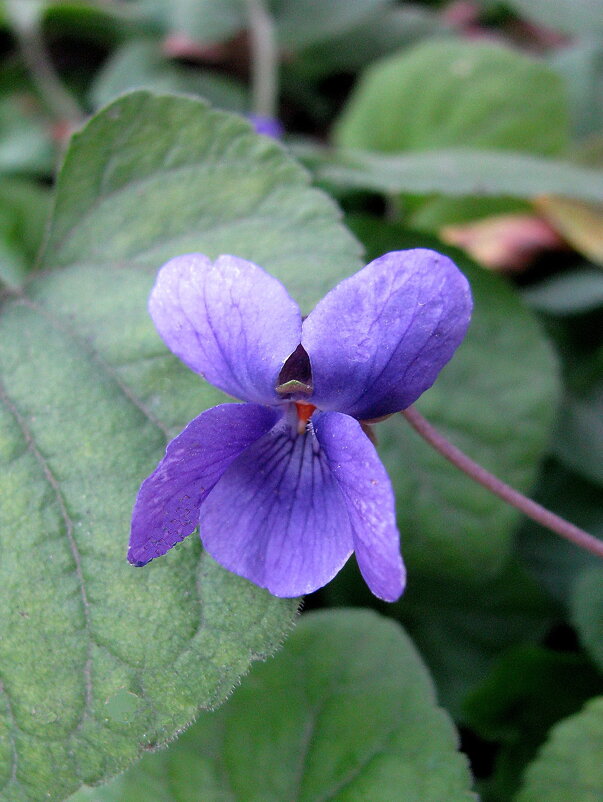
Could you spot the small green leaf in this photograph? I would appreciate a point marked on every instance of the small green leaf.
(495, 400)
(345, 711)
(387, 29)
(120, 659)
(24, 208)
(25, 145)
(584, 18)
(579, 433)
(587, 612)
(527, 691)
(460, 627)
(207, 21)
(140, 64)
(569, 293)
(456, 173)
(581, 66)
(301, 23)
(554, 561)
(570, 765)
(472, 95)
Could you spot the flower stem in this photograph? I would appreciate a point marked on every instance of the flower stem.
(60, 102)
(264, 59)
(529, 508)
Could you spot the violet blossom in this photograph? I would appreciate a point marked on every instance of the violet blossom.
(285, 486)
(268, 126)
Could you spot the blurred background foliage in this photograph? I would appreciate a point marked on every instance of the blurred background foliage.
(509, 98)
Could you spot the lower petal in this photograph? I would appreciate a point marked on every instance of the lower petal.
(367, 490)
(167, 505)
(278, 517)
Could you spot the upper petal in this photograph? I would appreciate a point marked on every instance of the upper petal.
(278, 517)
(370, 505)
(167, 505)
(379, 338)
(228, 320)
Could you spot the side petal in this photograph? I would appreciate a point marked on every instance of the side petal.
(167, 505)
(278, 517)
(369, 497)
(379, 338)
(228, 320)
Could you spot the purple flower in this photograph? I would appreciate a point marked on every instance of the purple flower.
(269, 126)
(287, 485)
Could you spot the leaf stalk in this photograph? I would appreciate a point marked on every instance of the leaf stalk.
(264, 59)
(496, 486)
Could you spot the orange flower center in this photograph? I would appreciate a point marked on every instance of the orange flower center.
(304, 413)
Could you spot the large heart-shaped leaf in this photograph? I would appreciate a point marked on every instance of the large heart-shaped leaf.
(346, 711)
(99, 660)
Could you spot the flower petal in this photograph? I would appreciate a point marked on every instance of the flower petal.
(370, 504)
(379, 338)
(278, 517)
(228, 320)
(167, 506)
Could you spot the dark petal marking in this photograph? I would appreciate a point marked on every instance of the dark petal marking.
(167, 505)
(288, 529)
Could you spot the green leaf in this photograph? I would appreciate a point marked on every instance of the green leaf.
(581, 67)
(301, 23)
(455, 173)
(345, 711)
(471, 95)
(387, 29)
(120, 659)
(567, 293)
(25, 145)
(528, 690)
(205, 20)
(24, 210)
(435, 213)
(461, 627)
(554, 561)
(207, 185)
(495, 400)
(579, 433)
(584, 18)
(587, 612)
(139, 64)
(570, 765)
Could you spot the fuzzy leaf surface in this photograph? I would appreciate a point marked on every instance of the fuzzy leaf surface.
(120, 659)
(345, 711)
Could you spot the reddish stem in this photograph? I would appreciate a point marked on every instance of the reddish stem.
(529, 508)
